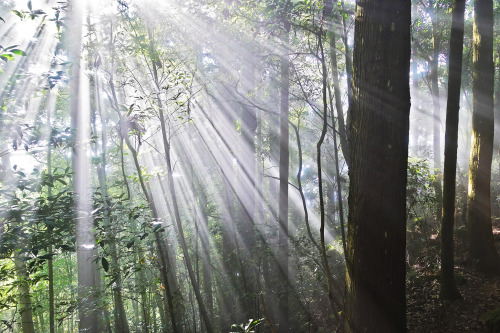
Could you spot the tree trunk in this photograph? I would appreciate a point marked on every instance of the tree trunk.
(167, 268)
(180, 229)
(448, 286)
(50, 104)
(436, 114)
(375, 262)
(282, 251)
(483, 251)
(25, 306)
(336, 92)
(324, 256)
(414, 128)
(88, 311)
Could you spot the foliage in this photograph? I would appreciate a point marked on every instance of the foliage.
(491, 319)
(247, 328)
(420, 193)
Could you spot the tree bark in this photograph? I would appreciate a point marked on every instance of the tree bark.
(375, 262)
(483, 251)
(448, 286)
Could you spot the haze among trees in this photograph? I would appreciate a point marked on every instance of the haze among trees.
(249, 166)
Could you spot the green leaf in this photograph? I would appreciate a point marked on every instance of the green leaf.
(10, 47)
(105, 264)
(18, 13)
(29, 5)
(7, 56)
(18, 52)
(46, 256)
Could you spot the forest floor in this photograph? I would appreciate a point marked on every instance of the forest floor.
(427, 313)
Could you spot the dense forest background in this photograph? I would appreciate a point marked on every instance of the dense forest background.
(238, 165)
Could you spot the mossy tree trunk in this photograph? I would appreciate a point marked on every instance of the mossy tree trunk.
(483, 251)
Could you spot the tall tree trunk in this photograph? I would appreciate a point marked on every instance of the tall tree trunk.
(448, 286)
(50, 104)
(414, 129)
(324, 256)
(375, 262)
(88, 312)
(282, 251)
(483, 251)
(436, 114)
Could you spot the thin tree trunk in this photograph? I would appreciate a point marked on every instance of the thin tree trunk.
(324, 256)
(50, 104)
(414, 125)
(336, 91)
(436, 114)
(167, 273)
(163, 253)
(448, 286)
(282, 251)
(180, 228)
(228, 255)
(120, 318)
(337, 178)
